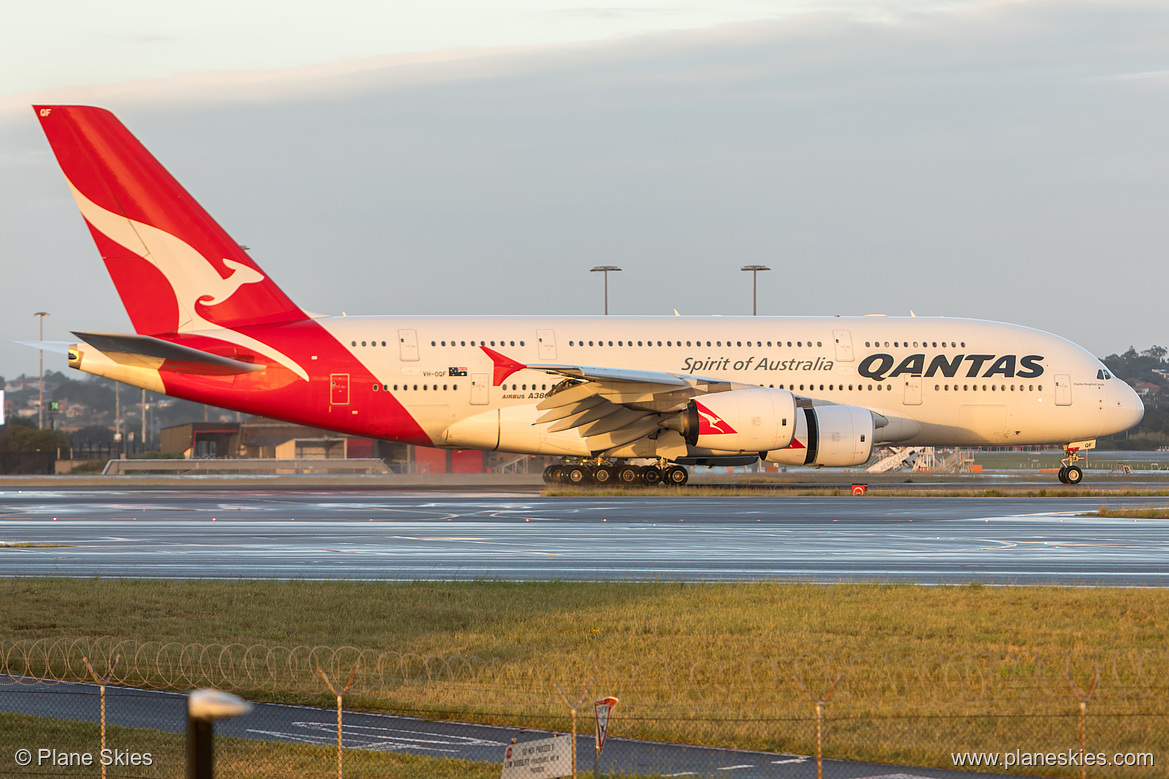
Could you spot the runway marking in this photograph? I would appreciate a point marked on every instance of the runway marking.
(375, 737)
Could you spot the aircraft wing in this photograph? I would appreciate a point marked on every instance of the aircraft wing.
(618, 411)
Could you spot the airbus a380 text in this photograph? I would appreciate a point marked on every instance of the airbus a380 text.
(599, 392)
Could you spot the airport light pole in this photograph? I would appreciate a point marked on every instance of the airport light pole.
(605, 269)
(41, 397)
(754, 283)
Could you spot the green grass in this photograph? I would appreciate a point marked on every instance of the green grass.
(926, 670)
(1133, 512)
(33, 545)
(664, 621)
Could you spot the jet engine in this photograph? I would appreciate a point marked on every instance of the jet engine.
(828, 435)
(744, 420)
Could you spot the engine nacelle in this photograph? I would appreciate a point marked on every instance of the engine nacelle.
(745, 420)
(829, 435)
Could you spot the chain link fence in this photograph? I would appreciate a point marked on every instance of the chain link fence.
(1074, 714)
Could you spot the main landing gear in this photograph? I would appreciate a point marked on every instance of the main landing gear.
(1070, 472)
(603, 472)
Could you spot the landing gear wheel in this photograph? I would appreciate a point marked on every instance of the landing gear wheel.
(627, 474)
(553, 473)
(575, 474)
(603, 474)
(1071, 473)
(676, 476)
(651, 475)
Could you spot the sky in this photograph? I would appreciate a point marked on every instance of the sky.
(1000, 159)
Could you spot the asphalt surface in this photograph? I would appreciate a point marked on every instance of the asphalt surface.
(166, 711)
(369, 535)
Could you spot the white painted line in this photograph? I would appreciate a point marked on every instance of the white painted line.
(733, 767)
(790, 760)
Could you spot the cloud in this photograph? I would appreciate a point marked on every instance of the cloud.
(980, 161)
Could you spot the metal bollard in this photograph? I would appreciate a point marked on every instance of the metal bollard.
(203, 708)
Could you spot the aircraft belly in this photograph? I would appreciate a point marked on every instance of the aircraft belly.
(512, 429)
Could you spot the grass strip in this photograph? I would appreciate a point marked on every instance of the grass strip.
(926, 671)
(1132, 512)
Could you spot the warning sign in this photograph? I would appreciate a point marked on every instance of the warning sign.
(603, 708)
(548, 757)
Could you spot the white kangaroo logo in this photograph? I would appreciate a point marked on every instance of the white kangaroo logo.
(190, 275)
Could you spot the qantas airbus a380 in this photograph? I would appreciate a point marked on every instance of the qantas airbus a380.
(212, 327)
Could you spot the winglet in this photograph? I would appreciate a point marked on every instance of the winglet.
(504, 366)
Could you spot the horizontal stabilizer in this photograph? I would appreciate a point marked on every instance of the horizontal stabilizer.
(56, 347)
(145, 351)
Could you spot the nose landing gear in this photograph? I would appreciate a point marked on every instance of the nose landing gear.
(1070, 472)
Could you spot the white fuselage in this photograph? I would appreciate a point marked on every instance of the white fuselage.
(958, 381)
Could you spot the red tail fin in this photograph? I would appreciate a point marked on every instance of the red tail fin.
(175, 268)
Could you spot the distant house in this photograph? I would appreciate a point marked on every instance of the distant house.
(1147, 389)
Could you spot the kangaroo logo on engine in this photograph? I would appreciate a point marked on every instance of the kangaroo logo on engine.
(879, 367)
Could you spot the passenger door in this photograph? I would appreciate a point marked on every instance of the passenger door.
(480, 389)
(408, 345)
(339, 389)
(843, 345)
(547, 341)
(1063, 390)
(913, 390)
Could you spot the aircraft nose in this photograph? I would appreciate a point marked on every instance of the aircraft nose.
(1129, 408)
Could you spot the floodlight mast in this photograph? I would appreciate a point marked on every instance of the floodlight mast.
(605, 269)
(754, 284)
(41, 396)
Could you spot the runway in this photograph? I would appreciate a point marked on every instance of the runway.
(365, 534)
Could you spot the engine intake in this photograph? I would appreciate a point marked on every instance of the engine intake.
(835, 436)
(740, 421)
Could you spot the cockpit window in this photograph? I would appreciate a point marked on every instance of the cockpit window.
(1103, 374)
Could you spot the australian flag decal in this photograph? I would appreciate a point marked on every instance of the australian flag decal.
(457, 371)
